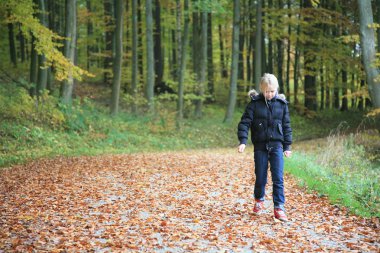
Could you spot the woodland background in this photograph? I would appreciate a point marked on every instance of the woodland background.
(89, 77)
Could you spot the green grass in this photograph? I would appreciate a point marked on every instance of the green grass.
(348, 179)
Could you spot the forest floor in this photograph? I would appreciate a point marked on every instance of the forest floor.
(193, 201)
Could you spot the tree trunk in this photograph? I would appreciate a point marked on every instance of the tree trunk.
(210, 57)
(135, 61)
(241, 48)
(33, 67)
(297, 58)
(21, 39)
(149, 56)
(12, 46)
(250, 44)
(158, 59)
(309, 59)
(280, 56)
(288, 55)
(108, 38)
(270, 43)
(90, 31)
(182, 52)
(42, 71)
(203, 67)
(367, 41)
(322, 102)
(344, 106)
(234, 64)
(140, 51)
(173, 64)
(258, 45)
(118, 58)
(224, 72)
(196, 43)
(69, 48)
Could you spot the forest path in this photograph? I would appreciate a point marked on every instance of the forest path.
(195, 201)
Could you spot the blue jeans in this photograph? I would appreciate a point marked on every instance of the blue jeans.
(276, 160)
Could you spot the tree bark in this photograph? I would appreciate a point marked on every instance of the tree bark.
(270, 43)
(203, 67)
(241, 47)
(135, 61)
(33, 67)
(108, 39)
(118, 58)
(158, 59)
(344, 106)
(258, 45)
(21, 39)
(69, 48)
(280, 56)
(181, 74)
(90, 31)
(149, 56)
(309, 59)
(297, 58)
(42, 70)
(12, 46)
(288, 54)
(210, 57)
(234, 64)
(140, 40)
(224, 72)
(367, 41)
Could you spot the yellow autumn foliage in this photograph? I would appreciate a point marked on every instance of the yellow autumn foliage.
(46, 41)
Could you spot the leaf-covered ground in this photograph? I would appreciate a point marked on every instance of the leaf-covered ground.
(165, 202)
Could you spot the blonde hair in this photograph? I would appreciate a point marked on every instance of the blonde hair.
(268, 80)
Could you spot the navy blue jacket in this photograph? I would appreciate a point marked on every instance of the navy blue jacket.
(269, 123)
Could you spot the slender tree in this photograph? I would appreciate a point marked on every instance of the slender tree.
(42, 70)
(90, 31)
(309, 62)
(108, 39)
(158, 58)
(258, 45)
(181, 75)
(288, 53)
(270, 43)
(367, 42)
(149, 55)
(140, 40)
(135, 61)
(234, 63)
(118, 58)
(12, 46)
(224, 72)
(210, 56)
(33, 66)
(21, 39)
(280, 55)
(69, 48)
(203, 67)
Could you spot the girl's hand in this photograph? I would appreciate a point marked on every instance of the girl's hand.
(287, 153)
(241, 148)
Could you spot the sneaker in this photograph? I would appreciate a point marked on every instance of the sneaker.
(280, 214)
(259, 206)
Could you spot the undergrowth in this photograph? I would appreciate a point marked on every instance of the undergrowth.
(344, 170)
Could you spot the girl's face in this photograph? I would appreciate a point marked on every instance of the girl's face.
(269, 92)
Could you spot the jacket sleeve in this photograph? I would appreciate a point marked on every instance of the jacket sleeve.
(286, 128)
(245, 123)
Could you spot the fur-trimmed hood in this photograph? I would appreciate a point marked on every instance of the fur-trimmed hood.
(252, 93)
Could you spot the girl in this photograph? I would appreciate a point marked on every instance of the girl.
(267, 115)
